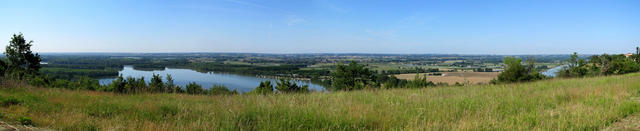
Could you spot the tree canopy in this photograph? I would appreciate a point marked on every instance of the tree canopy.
(516, 72)
(20, 60)
(352, 76)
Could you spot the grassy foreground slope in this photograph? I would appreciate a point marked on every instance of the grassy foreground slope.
(567, 104)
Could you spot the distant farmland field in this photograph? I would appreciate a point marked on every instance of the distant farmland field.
(453, 77)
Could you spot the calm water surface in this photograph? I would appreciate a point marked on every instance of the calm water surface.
(182, 77)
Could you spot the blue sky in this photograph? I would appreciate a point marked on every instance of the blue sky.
(326, 26)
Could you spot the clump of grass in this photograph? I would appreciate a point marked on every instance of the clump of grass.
(169, 110)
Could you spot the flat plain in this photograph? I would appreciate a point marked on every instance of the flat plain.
(453, 77)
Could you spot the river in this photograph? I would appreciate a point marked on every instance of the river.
(552, 72)
(183, 77)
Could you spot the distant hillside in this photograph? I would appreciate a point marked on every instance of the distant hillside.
(557, 104)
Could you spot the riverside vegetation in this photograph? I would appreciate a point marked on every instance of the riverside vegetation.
(536, 105)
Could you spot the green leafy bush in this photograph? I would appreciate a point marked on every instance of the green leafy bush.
(194, 88)
(288, 86)
(264, 88)
(220, 90)
(516, 72)
(25, 120)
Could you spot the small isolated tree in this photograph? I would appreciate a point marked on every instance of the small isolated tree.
(264, 88)
(513, 72)
(194, 88)
(351, 77)
(516, 72)
(20, 59)
(287, 86)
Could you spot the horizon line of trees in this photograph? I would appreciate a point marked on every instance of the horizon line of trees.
(22, 64)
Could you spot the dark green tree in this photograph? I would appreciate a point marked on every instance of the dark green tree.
(516, 72)
(220, 90)
(171, 87)
(156, 83)
(513, 71)
(21, 60)
(351, 77)
(3, 67)
(179, 89)
(194, 88)
(264, 88)
(135, 85)
(288, 86)
(118, 85)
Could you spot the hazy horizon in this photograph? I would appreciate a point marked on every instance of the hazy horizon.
(292, 53)
(325, 26)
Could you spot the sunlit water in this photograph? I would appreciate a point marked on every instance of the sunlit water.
(183, 77)
(552, 72)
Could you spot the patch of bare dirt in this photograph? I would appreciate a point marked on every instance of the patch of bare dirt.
(7, 127)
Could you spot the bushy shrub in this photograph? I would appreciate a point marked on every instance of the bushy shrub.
(516, 72)
(604, 64)
(85, 83)
(419, 82)
(351, 77)
(194, 88)
(25, 121)
(220, 90)
(38, 81)
(9, 102)
(285, 85)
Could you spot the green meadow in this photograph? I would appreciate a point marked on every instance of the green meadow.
(556, 104)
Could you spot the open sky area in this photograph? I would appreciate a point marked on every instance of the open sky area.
(326, 26)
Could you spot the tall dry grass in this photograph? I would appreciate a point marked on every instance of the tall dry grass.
(559, 104)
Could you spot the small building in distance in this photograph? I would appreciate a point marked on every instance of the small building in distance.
(628, 55)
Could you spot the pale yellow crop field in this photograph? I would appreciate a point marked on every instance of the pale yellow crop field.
(453, 77)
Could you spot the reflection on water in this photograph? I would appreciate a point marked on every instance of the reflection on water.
(182, 77)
